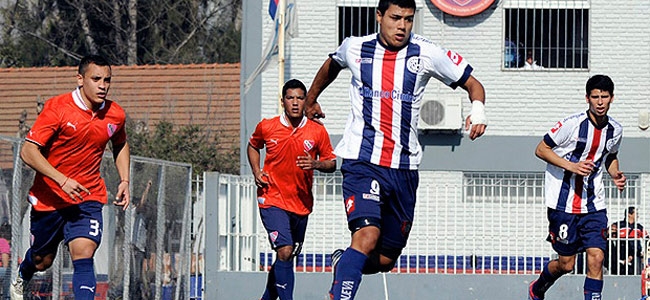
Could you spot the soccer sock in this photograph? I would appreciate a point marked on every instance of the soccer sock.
(593, 288)
(83, 279)
(347, 275)
(270, 293)
(27, 268)
(545, 281)
(284, 279)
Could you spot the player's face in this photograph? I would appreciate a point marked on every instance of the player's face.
(94, 84)
(294, 103)
(395, 25)
(599, 102)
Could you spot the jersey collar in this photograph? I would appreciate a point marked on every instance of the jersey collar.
(285, 121)
(79, 101)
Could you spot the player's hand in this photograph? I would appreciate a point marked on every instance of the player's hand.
(306, 162)
(74, 189)
(619, 180)
(314, 111)
(261, 179)
(475, 130)
(123, 197)
(583, 168)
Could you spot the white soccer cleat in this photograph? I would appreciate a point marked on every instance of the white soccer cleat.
(17, 289)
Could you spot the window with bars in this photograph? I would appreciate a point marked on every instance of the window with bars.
(546, 34)
(358, 18)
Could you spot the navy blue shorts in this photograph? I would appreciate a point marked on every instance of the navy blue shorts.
(284, 228)
(49, 228)
(573, 233)
(379, 193)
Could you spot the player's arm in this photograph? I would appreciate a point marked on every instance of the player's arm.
(307, 162)
(326, 75)
(254, 160)
(546, 153)
(122, 158)
(611, 163)
(32, 156)
(477, 118)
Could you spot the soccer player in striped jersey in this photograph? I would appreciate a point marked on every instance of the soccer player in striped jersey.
(65, 147)
(577, 150)
(295, 147)
(380, 148)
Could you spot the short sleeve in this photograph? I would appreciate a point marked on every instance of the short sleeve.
(340, 55)
(45, 126)
(559, 134)
(257, 138)
(449, 67)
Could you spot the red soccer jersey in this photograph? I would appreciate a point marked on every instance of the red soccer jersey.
(73, 139)
(289, 186)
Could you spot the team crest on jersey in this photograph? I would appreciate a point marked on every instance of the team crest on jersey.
(308, 145)
(349, 205)
(455, 57)
(111, 128)
(414, 64)
(273, 235)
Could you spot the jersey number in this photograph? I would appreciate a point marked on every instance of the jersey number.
(564, 228)
(94, 228)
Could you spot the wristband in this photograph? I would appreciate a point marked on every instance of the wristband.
(124, 180)
(477, 115)
(66, 180)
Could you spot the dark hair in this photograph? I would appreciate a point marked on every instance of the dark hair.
(5, 231)
(601, 82)
(92, 59)
(293, 84)
(384, 4)
(630, 210)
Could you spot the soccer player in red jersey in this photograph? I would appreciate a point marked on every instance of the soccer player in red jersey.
(295, 147)
(65, 147)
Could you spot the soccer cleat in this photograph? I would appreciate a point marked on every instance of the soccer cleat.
(531, 295)
(17, 289)
(336, 256)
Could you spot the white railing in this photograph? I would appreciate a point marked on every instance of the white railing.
(471, 223)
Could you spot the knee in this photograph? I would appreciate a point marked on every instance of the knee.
(42, 263)
(285, 253)
(365, 239)
(566, 266)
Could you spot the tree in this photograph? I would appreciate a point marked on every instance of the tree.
(60, 32)
(189, 144)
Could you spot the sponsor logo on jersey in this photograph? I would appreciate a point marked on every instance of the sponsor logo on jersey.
(261, 200)
(455, 57)
(74, 126)
(347, 286)
(308, 145)
(414, 64)
(111, 128)
(363, 60)
(349, 205)
(556, 127)
(367, 92)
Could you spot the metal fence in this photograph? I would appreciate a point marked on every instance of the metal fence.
(465, 223)
(145, 251)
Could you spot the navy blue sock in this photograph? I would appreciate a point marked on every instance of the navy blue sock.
(27, 268)
(544, 282)
(284, 279)
(347, 274)
(270, 293)
(593, 288)
(83, 279)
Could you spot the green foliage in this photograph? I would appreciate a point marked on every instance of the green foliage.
(189, 144)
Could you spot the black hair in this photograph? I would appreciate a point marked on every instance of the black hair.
(601, 82)
(630, 210)
(92, 59)
(384, 4)
(293, 84)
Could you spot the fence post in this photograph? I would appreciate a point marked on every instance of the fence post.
(212, 237)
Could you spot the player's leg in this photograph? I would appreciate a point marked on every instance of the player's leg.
(593, 226)
(400, 192)
(563, 236)
(279, 282)
(361, 194)
(46, 229)
(83, 234)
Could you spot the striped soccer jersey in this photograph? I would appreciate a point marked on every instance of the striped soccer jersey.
(577, 138)
(386, 92)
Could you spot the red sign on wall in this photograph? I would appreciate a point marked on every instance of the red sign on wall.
(462, 8)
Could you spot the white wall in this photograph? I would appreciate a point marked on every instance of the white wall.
(519, 103)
